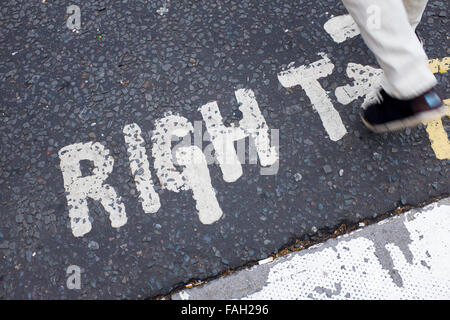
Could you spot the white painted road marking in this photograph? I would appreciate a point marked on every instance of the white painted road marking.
(367, 83)
(194, 176)
(341, 28)
(413, 266)
(197, 176)
(165, 129)
(79, 188)
(251, 125)
(306, 77)
(223, 139)
(140, 168)
(255, 126)
(404, 257)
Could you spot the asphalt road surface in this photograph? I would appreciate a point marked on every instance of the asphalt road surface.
(94, 205)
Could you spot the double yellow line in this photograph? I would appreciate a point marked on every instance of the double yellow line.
(436, 133)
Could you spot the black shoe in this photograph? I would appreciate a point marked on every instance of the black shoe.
(390, 114)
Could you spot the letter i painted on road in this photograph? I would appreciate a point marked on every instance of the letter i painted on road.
(140, 168)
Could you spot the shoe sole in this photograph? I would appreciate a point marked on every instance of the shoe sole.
(407, 122)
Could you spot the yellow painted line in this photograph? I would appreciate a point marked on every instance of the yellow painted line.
(438, 136)
(440, 66)
(436, 132)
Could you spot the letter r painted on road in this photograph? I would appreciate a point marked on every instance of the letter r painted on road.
(79, 188)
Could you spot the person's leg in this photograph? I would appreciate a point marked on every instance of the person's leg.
(414, 11)
(394, 44)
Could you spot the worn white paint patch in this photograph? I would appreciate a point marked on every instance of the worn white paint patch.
(140, 168)
(195, 175)
(79, 188)
(351, 269)
(341, 28)
(367, 83)
(252, 124)
(198, 178)
(307, 77)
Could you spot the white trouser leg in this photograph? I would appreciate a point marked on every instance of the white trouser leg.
(414, 11)
(394, 44)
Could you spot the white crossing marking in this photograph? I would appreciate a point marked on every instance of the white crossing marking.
(405, 257)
